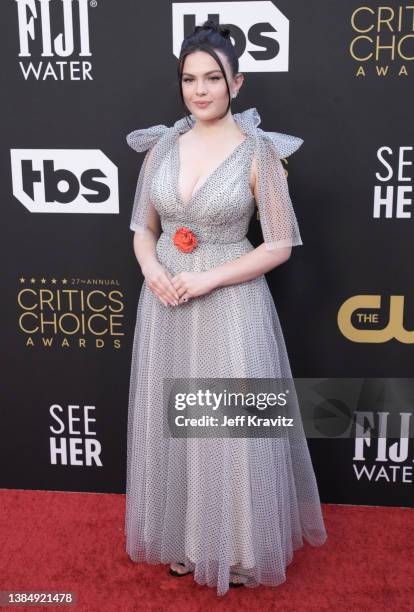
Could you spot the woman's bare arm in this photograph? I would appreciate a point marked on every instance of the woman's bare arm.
(157, 277)
(145, 242)
(252, 264)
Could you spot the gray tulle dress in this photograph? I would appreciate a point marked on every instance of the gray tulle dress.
(224, 504)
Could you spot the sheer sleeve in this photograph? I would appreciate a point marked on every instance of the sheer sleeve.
(277, 216)
(144, 140)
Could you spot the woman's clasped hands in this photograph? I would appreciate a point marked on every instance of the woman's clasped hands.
(178, 289)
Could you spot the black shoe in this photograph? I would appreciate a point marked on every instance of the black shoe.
(179, 574)
(232, 584)
(236, 584)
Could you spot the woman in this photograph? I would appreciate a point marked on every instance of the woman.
(231, 511)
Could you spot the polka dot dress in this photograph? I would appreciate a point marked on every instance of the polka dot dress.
(218, 504)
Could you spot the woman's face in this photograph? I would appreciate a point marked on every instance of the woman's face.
(203, 81)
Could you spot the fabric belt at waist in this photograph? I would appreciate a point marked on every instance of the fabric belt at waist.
(203, 240)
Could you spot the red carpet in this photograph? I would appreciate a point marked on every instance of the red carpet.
(74, 542)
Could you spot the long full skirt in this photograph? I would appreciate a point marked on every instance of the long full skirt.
(222, 504)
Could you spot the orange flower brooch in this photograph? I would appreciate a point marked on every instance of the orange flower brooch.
(185, 240)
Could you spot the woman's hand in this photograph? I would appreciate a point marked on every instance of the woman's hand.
(159, 282)
(193, 284)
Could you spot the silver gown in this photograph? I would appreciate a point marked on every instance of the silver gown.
(224, 504)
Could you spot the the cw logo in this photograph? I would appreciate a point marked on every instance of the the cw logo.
(393, 329)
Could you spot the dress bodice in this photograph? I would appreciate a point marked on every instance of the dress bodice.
(220, 209)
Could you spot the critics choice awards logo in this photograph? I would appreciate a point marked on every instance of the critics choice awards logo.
(70, 312)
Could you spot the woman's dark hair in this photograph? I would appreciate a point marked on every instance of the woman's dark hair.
(208, 37)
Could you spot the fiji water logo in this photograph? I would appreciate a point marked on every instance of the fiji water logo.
(54, 39)
(384, 449)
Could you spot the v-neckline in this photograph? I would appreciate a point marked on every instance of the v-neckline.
(184, 205)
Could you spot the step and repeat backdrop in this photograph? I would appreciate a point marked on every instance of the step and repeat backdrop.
(76, 77)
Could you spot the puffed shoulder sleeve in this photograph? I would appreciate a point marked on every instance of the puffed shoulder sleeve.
(144, 140)
(277, 216)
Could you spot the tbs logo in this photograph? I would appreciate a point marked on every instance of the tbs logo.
(259, 31)
(65, 180)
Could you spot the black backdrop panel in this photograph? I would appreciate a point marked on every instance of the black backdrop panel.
(70, 94)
